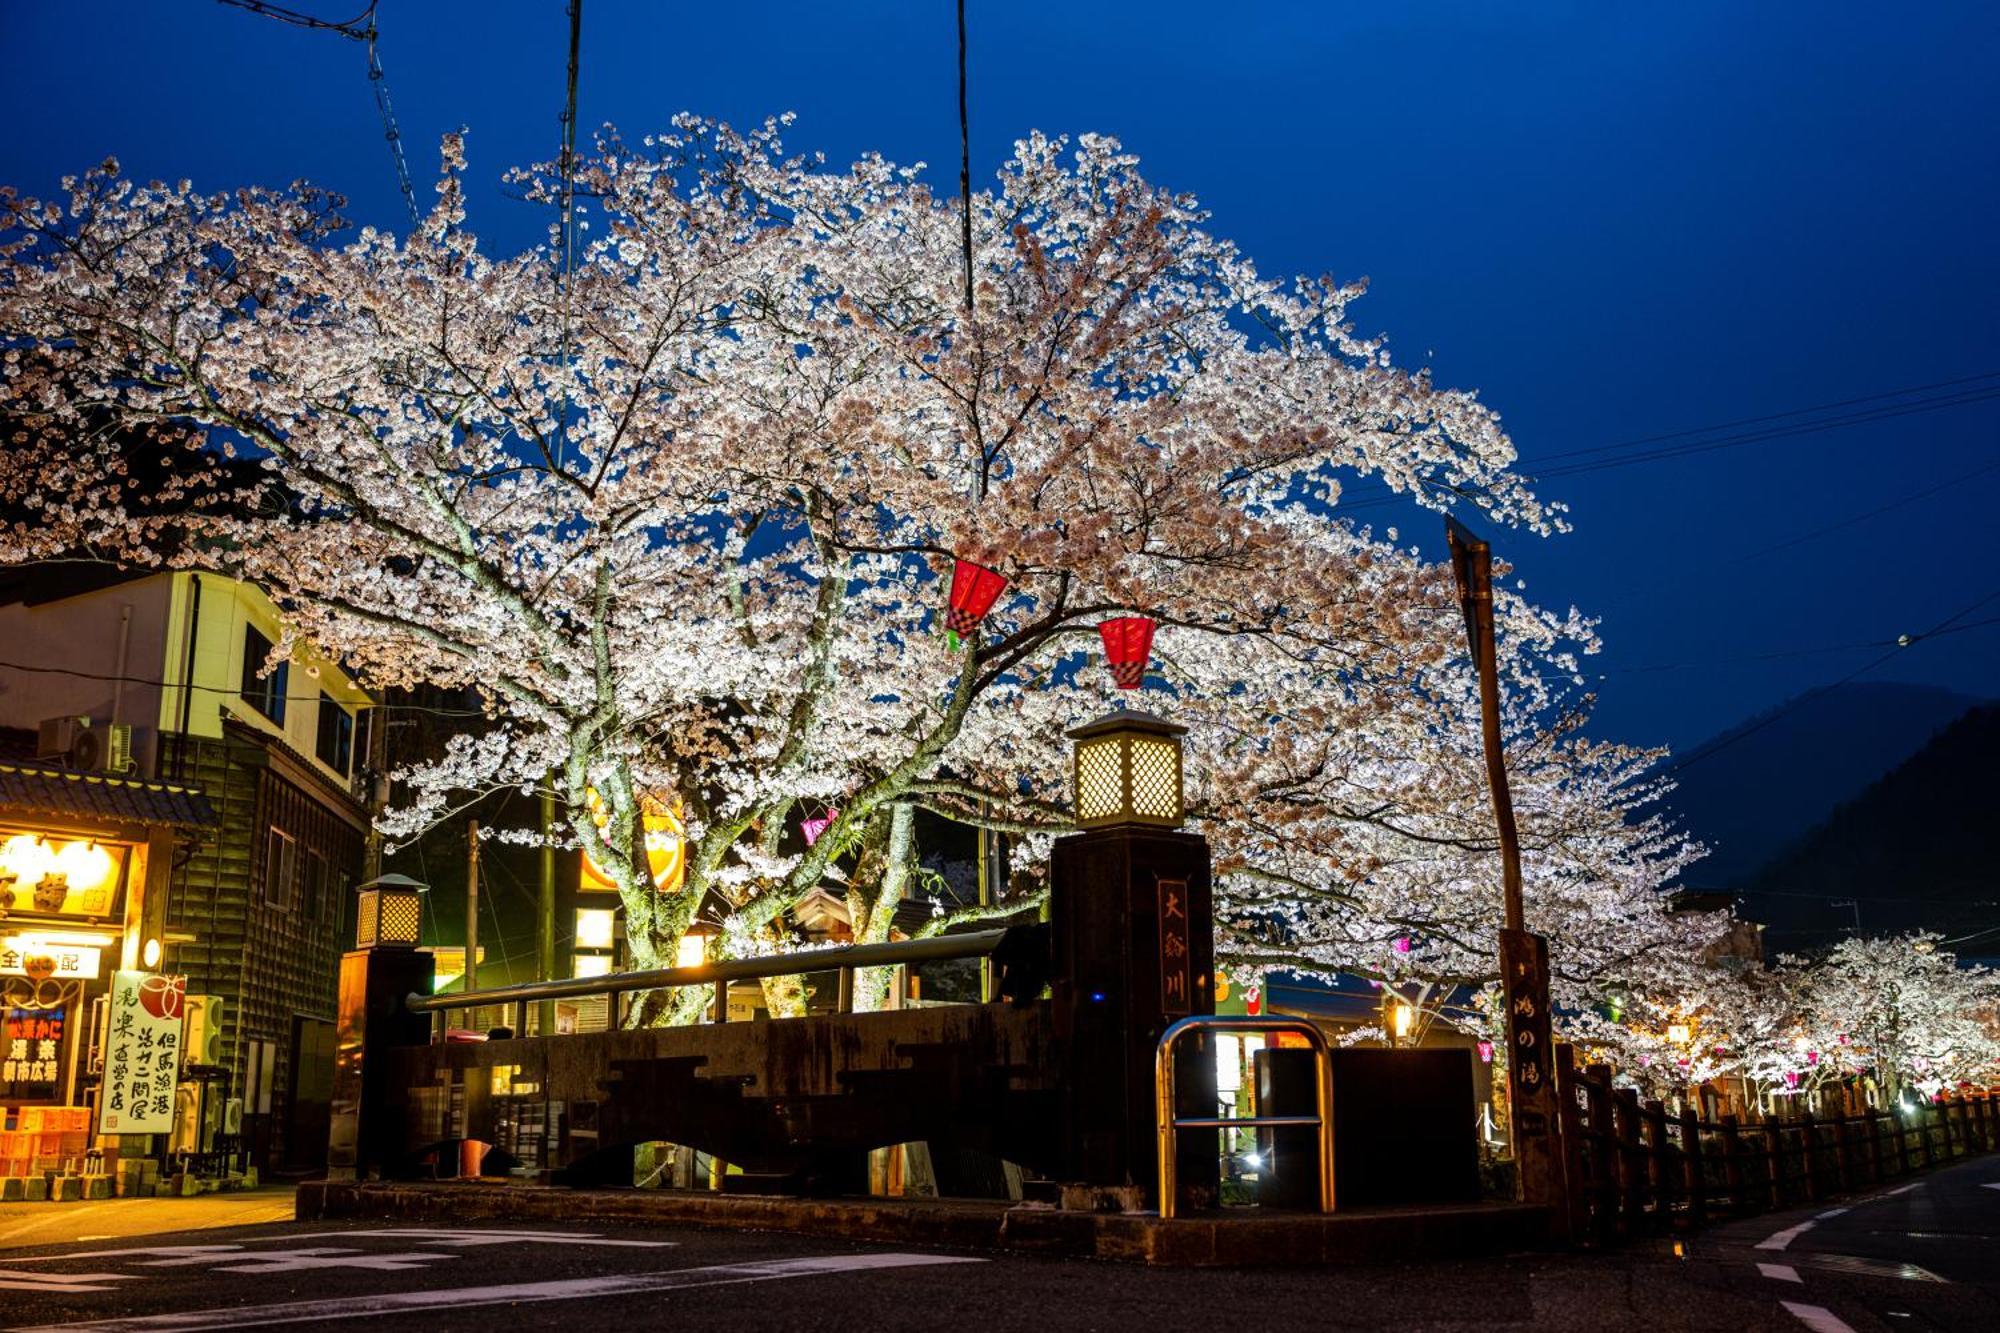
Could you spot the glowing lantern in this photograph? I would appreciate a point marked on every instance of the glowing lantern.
(1128, 644)
(1486, 1052)
(666, 851)
(817, 825)
(1677, 1033)
(1791, 1078)
(1812, 1057)
(973, 591)
(1402, 944)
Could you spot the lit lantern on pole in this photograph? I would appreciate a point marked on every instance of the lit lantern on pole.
(974, 589)
(390, 913)
(1127, 770)
(1128, 645)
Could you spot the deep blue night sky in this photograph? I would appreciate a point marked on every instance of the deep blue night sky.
(1614, 221)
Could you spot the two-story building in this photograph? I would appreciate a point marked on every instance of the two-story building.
(166, 675)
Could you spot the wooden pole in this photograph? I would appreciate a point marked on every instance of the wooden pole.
(545, 923)
(472, 904)
(1524, 962)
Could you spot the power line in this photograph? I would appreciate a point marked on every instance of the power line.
(1381, 496)
(1937, 630)
(218, 689)
(360, 28)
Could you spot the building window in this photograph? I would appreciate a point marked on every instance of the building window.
(264, 693)
(281, 865)
(316, 888)
(335, 747)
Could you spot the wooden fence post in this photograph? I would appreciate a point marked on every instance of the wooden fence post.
(1604, 1154)
(1843, 1155)
(1902, 1144)
(1774, 1155)
(1573, 1219)
(1809, 1155)
(1695, 1168)
(1875, 1174)
(1732, 1167)
(1661, 1176)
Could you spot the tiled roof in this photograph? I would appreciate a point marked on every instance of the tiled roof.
(46, 790)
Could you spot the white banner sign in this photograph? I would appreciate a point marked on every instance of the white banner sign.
(142, 1054)
(26, 956)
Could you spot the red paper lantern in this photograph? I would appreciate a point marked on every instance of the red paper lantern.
(818, 824)
(973, 590)
(1128, 644)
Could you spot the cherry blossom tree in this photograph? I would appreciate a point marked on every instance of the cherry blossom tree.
(682, 514)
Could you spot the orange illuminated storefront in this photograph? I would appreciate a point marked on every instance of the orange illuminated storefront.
(84, 863)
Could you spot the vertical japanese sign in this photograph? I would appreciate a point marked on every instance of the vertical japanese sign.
(142, 1054)
(1175, 967)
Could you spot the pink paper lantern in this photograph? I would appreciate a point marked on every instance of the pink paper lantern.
(1403, 944)
(817, 825)
(1486, 1052)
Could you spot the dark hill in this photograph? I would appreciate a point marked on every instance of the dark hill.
(1770, 780)
(1918, 849)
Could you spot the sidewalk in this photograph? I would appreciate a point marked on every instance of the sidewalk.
(25, 1224)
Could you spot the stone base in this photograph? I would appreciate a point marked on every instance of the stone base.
(1246, 1239)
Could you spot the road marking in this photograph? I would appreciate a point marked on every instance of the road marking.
(1781, 1272)
(463, 1238)
(1778, 1240)
(1831, 1212)
(1990, 1185)
(302, 1259)
(13, 1279)
(1850, 1263)
(460, 1298)
(1815, 1317)
(1902, 1189)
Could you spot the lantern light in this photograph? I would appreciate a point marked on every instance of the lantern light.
(149, 955)
(596, 927)
(390, 913)
(1486, 1052)
(1127, 770)
(1128, 645)
(1400, 1018)
(1402, 944)
(974, 589)
(1678, 1033)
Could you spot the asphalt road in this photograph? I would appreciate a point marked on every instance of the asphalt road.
(432, 1278)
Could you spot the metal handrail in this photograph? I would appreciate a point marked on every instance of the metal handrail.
(1168, 1125)
(972, 944)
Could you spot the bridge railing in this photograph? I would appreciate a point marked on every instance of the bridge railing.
(843, 959)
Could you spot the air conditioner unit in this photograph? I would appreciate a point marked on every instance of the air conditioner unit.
(102, 749)
(202, 1042)
(58, 736)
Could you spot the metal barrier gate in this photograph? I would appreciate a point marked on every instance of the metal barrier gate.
(1168, 1122)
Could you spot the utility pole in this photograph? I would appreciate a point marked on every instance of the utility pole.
(545, 925)
(471, 904)
(1524, 958)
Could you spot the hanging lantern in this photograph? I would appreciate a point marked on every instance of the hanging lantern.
(817, 825)
(1128, 644)
(1402, 944)
(973, 591)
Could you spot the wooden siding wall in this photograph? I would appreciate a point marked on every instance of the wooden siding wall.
(271, 961)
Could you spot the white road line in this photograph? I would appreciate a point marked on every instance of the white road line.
(448, 1238)
(1902, 1189)
(460, 1298)
(1778, 1240)
(1781, 1273)
(1831, 1212)
(1815, 1317)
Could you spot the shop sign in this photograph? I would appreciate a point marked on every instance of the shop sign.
(59, 877)
(26, 956)
(32, 1047)
(142, 1055)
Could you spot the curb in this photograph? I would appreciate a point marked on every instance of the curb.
(1295, 1240)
